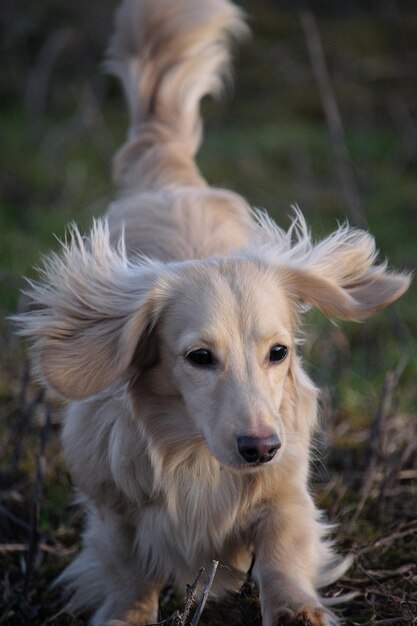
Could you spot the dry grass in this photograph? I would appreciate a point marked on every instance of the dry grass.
(368, 489)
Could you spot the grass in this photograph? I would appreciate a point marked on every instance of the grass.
(270, 142)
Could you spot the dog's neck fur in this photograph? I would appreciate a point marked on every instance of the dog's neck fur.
(142, 458)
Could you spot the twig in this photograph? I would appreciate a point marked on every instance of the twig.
(207, 586)
(34, 536)
(334, 120)
(376, 444)
(24, 381)
(6, 548)
(394, 621)
(180, 619)
(12, 547)
(390, 382)
(95, 124)
(13, 518)
(405, 123)
(12, 447)
(387, 540)
(26, 410)
(174, 619)
(393, 470)
(39, 77)
(380, 588)
(382, 575)
(190, 594)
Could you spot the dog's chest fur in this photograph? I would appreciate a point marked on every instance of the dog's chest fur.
(164, 482)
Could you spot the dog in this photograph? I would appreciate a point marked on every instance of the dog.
(173, 327)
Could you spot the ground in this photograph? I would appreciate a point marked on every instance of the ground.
(61, 121)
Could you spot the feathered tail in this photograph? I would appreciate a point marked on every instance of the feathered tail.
(168, 54)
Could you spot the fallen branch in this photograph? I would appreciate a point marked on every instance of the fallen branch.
(207, 586)
(334, 120)
(375, 452)
(6, 514)
(390, 383)
(34, 534)
(59, 551)
(382, 575)
(182, 619)
(387, 540)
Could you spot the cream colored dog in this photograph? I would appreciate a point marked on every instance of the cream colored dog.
(173, 329)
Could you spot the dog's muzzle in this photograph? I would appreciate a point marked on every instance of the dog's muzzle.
(258, 449)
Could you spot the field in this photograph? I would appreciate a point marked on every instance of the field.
(339, 140)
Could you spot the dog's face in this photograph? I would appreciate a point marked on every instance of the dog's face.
(223, 329)
(227, 337)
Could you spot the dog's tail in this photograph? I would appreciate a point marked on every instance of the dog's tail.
(168, 54)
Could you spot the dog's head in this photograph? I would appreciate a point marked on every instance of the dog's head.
(218, 335)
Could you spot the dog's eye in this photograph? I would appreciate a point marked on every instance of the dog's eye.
(277, 353)
(201, 358)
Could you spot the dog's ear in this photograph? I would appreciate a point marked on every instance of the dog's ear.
(337, 275)
(89, 313)
(353, 298)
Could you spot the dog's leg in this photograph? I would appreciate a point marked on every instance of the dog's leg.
(288, 554)
(144, 610)
(110, 576)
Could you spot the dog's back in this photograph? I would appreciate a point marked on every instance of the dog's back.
(168, 55)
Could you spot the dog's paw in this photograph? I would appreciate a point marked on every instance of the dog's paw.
(307, 616)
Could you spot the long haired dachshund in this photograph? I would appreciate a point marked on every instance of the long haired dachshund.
(172, 328)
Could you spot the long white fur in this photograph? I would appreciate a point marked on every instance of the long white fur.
(150, 441)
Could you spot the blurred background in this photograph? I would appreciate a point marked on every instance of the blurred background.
(322, 113)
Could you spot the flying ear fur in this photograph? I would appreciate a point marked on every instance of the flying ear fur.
(89, 312)
(338, 275)
(351, 302)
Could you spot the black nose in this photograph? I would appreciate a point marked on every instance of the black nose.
(258, 449)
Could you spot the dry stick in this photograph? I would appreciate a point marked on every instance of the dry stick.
(334, 120)
(207, 586)
(38, 80)
(95, 124)
(383, 574)
(26, 409)
(393, 469)
(5, 513)
(390, 621)
(375, 448)
(190, 594)
(22, 427)
(44, 547)
(380, 588)
(24, 382)
(34, 536)
(175, 619)
(180, 619)
(387, 540)
(390, 382)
